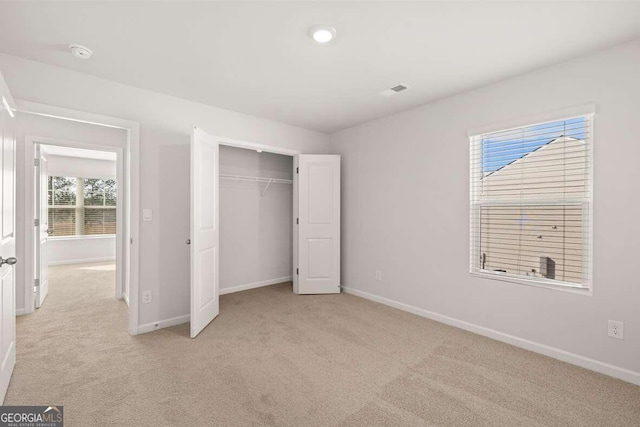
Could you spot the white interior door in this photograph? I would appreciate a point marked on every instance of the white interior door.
(317, 244)
(7, 252)
(42, 229)
(205, 234)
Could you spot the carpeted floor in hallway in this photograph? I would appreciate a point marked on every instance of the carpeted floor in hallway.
(274, 358)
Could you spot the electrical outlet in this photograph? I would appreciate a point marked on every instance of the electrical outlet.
(378, 275)
(616, 329)
(146, 297)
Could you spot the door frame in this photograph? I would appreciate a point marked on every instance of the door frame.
(33, 141)
(255, 146)
(128, 166)
(37, 235)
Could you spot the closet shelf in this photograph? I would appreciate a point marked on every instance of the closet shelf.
(269, 181)
(256, 179)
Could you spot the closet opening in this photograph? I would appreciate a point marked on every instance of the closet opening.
(256, 217)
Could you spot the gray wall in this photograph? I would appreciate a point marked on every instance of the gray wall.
(405, 211)
(255, 231)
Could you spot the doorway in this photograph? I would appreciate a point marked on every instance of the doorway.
(76, 222)
(128, 173)
(77, 212)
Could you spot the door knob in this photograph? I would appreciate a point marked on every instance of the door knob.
(10, 261)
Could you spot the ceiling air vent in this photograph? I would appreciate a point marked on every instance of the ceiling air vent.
(400, 87)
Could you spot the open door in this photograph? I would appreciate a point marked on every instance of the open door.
(317, 210)
(42, 227)
(205, 234)
(7, 249)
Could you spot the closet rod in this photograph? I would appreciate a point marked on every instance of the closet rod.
(256, 179)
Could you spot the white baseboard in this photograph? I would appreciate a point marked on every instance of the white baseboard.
(19, 311)
(254, 285)
(565, 356)
(81, 261)
(160, 324)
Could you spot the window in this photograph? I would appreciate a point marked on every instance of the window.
(62, 206)
(99, 206)
(531, 203)
(81, 206)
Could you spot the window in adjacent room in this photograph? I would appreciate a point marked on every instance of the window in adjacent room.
(81, 206)
(531, 201)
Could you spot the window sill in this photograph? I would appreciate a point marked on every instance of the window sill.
(546, 284)
(88, 237)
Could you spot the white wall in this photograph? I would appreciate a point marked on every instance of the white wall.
(47, 127)
(406, 210)
(165, 124)
(76, 249)
(80, 167)
(255, 231)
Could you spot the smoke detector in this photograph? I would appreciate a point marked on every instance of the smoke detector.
(395, 89)
(80, 51)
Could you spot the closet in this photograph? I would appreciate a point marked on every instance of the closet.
(260, 215)
(256, 199)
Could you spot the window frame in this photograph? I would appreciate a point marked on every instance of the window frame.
(475, 205)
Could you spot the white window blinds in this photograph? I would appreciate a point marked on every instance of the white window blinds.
(531, 203)
(62, 197)
(81, 206)
(99, 206)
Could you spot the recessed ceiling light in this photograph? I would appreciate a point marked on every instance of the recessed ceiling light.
(322, 34)
(80, 51)
(259, 150)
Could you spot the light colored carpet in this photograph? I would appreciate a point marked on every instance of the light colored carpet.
(274, 358)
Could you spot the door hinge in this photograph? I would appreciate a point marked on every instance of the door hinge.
(297, 170)
(297, 220)
(297, 272)
(36, 162)
(36, 283)
(36, 222)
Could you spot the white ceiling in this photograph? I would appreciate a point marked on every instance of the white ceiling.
(257, 58)
(56, 150)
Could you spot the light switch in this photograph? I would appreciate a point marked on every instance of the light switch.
(147, 215)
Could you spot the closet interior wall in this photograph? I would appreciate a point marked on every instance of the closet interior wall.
(255, 228)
